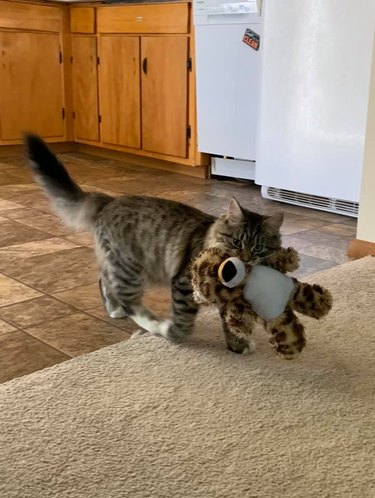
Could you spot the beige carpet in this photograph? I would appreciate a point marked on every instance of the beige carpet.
(148, 419)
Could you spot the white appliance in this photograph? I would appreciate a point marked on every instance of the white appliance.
(228, 47)
(315, 89)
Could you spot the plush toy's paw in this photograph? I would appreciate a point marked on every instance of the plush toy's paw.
(288, 351)
(292, 260)
(285, 260)
(311, 300)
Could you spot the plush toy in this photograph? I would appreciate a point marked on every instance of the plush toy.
(245, 293)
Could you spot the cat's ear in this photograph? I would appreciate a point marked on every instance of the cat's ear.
(234, 211)
(275, 221)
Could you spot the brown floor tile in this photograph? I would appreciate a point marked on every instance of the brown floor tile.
(5, 327)
(333, 254)
(310, 265)
(158, 300)
(12, 291)
(21, 354)
(126, 324)
(58, 271)
(8, 206)
(26, 195)
(35, 311)
(7, 178)
(11, 256)
(12, 232)
(340, 229)
(10, 192)
(317, 237)
(21, 212)
(84, 297)
(298, 244)
(81, 239)
(293, 224)
(6, 164)
(78, 334)
(47, 223)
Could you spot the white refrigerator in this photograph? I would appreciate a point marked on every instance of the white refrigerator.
(315, 88)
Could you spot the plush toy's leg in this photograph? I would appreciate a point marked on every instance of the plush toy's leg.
(311, 300)
(287, 334)
(237, 327)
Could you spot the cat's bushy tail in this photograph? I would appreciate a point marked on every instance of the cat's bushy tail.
(77, 209)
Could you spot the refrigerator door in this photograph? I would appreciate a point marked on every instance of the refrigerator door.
(315, 88)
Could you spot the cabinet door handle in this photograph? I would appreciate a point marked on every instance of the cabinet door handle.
(144, 65)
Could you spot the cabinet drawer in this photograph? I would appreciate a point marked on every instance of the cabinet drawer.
(167, 18)
(82, 20)
(24, 16)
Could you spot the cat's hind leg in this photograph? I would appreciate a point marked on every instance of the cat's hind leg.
(126, 285)
(112, 306)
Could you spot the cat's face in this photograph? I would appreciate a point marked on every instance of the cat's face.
(251, 236)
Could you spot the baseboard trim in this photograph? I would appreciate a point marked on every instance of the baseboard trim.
(19, 149)
(361, 248)
(147, 162)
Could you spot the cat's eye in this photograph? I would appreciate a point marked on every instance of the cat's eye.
(237, 242)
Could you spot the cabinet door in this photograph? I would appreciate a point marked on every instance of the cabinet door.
(164, 94)
(119, 90)
(31, 85)
(85, 88)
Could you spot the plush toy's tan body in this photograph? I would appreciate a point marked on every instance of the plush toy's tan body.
(286, 332)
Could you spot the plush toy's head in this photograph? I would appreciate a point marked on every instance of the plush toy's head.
(232, 272)
(216, 276)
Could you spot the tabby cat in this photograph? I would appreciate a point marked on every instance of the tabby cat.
(144, 240)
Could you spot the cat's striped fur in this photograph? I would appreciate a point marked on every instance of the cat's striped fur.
(144, 240)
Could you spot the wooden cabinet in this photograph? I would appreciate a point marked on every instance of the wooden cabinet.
(85, 88)
(115, 77)
(31, 85)
(164, 94)
(162, 83)
(119, 90)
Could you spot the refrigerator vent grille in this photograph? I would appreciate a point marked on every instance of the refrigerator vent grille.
(338, 206)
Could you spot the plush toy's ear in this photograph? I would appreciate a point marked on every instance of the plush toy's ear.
(231, 272)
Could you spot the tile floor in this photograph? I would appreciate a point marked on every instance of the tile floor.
(50, 308)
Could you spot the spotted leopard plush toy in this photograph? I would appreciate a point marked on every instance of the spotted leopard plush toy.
(245, 293)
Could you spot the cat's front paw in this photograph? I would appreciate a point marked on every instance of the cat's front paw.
(168, 330)
(241, 346)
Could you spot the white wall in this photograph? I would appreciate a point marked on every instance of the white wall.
(366, 219)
